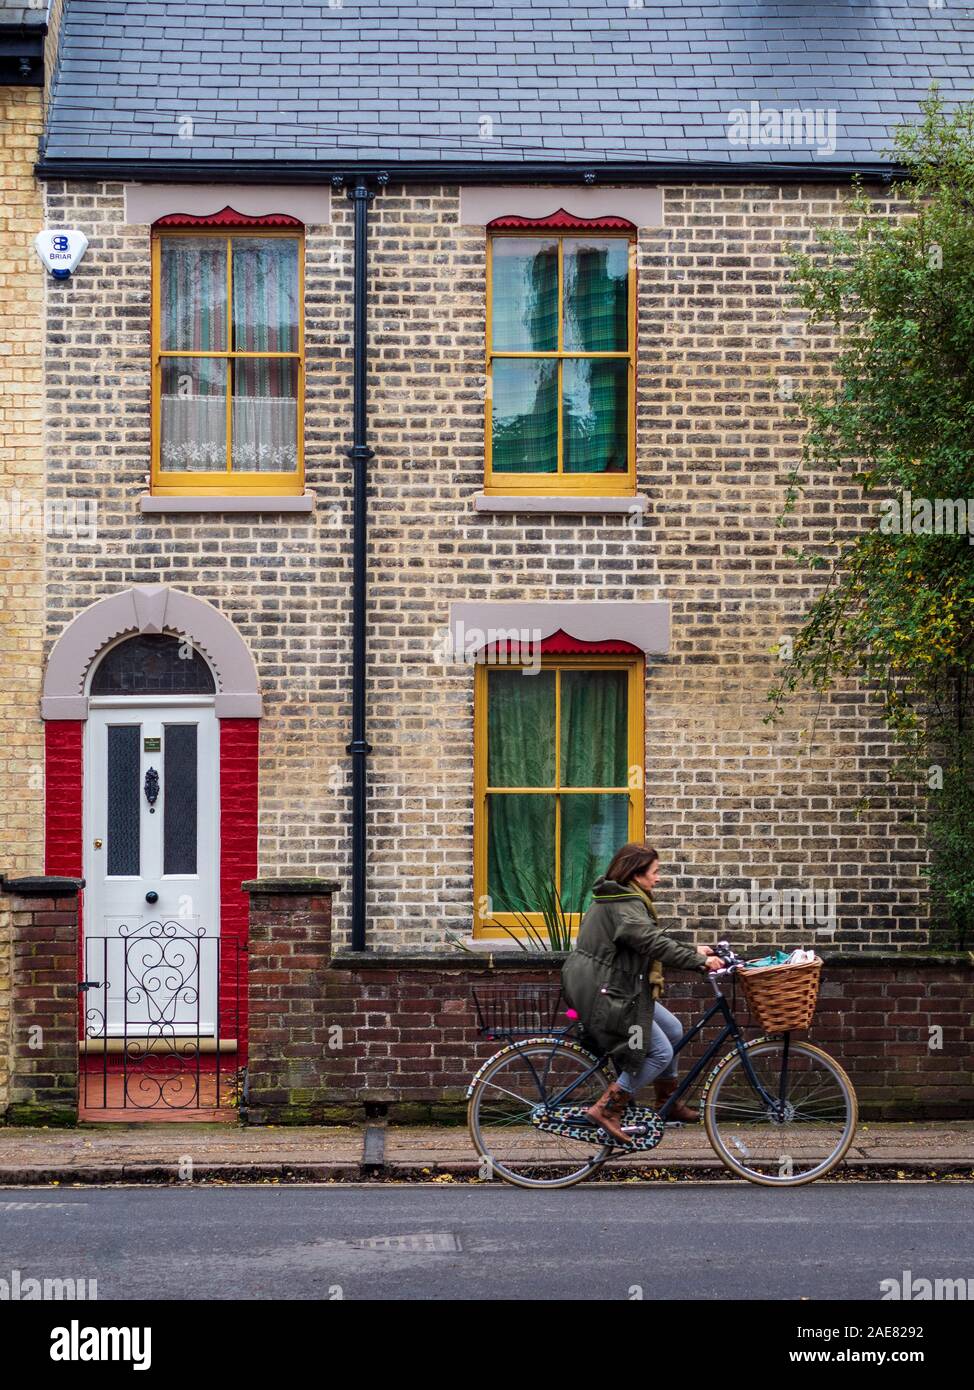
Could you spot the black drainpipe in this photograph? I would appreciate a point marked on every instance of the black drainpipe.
(360, 454)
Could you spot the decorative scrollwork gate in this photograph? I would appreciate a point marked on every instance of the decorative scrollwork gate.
(159, 1019)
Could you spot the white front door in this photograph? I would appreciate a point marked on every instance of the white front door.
(151, 865)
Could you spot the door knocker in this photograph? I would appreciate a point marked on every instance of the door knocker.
(151, 789)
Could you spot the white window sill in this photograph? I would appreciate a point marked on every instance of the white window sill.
(553, 502)
(304, 502)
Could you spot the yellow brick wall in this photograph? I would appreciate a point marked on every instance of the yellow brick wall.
(728, 799)
(21, 491)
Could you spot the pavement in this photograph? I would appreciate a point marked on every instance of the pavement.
(228, 1153)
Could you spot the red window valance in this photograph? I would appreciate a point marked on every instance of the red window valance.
(560, 643)
(227, 217)
(561, 221)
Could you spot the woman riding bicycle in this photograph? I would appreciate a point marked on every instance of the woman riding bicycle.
(614, 977)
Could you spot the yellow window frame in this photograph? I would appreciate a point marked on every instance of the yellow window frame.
(560, 483)
(491, 924)
(226, 482)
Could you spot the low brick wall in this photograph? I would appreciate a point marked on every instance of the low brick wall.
(345, 1037)
(43, 1027)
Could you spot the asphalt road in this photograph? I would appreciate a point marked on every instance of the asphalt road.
(385, 1242)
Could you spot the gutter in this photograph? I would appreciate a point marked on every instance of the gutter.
(571, 172)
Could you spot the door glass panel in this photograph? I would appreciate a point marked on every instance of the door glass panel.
(179, 797)
(123, 798)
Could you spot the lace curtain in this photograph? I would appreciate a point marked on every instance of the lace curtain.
(264, 434)
(263, 317)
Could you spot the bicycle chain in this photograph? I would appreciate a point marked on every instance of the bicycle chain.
(570, 1122)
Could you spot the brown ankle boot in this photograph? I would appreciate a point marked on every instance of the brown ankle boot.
(665, 1087)
(608, 1109)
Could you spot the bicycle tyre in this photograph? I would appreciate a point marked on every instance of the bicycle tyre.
(547, 1162)
(728, 1069)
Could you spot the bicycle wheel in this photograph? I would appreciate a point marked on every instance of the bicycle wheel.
(802, 1135)
(514, 1085)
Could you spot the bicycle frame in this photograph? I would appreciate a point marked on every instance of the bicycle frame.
(731, 1031)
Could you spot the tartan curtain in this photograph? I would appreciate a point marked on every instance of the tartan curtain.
(595, 392)
(596, 295)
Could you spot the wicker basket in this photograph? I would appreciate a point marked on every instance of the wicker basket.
(782, 997)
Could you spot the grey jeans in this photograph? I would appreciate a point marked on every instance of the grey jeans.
(659, 1059)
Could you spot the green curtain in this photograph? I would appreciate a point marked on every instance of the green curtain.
(520, 753)
(596, 415)
(524, 415)
(524, 294)
(520, 849)
(596, 294)
(520, 729)
(594, 753)
(594, 728)
(592, 829)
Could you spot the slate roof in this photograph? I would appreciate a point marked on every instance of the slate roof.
(27, 15)
(464, 80)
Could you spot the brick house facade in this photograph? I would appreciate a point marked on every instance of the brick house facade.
(727, 800)
(684, 574)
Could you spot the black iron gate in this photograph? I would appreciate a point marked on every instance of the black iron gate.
(160, 1016)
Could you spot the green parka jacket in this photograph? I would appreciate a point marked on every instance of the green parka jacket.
(606, 977)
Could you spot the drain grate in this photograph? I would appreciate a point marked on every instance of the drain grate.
(436, 1242)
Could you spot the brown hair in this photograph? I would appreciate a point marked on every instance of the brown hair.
(630, 859)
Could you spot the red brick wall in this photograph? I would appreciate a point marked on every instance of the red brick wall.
(238, 861)
(408, 1038)
(289, 1057)
(63, 783)
(44, 1066)
(411, 1037)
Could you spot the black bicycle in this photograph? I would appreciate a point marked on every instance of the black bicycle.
(777, 1112)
